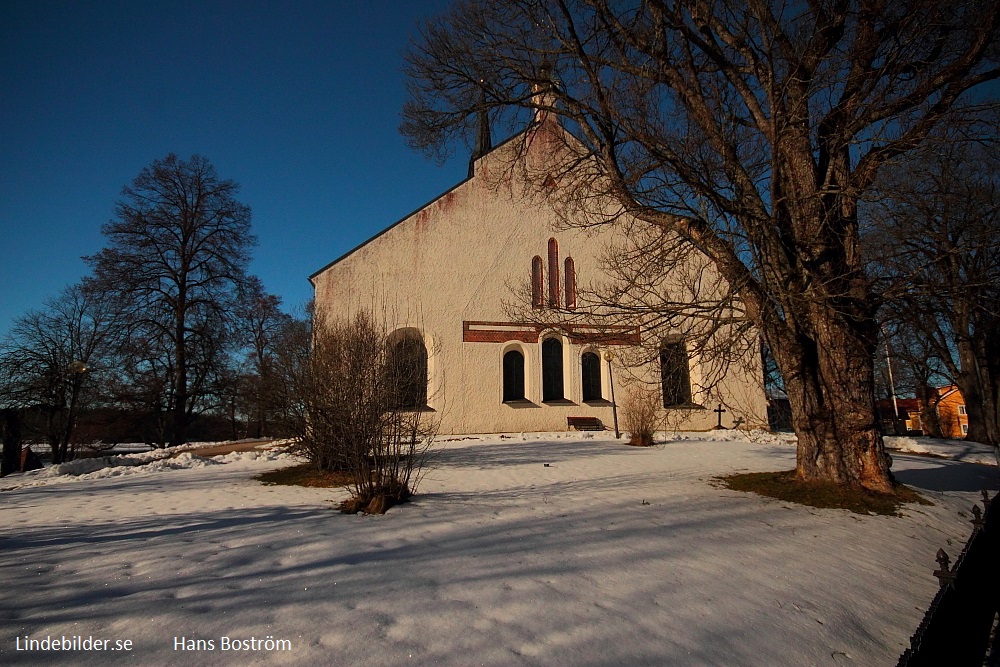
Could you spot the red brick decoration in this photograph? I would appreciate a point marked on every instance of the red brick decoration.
(553, 273)
(529, 332)
(570, 282)
(536, 282)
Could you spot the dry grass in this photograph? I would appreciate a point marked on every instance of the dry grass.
(305, 474)
(785, 486)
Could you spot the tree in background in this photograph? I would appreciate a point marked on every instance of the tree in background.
(907, 366)
(935, 242)
(260, 324)
(144, 389)
(178, 249)
(10, 437)
(747, 130)
(291, 368)
(55, 358)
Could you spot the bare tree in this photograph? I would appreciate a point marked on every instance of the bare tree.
(935, 243)
(178, 249)
(144, 386)
(290, 366)
(261, 322)
(749, 131)
(55, 357)
(911, 367)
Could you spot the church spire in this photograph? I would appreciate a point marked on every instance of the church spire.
(484, 142)
(542, 97)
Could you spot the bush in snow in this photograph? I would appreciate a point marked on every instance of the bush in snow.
(640, 415)
(365, 402)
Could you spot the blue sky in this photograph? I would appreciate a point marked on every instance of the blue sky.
(297, 101)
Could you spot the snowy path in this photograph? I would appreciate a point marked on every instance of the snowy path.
(609, 556)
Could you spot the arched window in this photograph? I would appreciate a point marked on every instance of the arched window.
(570, 280)
(552, 370)
(537, 300)
(406, 367)
(513, 376)
(590, 370)
(553, 274)
(675, 378)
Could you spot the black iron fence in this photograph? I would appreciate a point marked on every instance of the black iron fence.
(956, 630)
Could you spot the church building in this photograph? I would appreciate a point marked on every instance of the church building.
(481, 285)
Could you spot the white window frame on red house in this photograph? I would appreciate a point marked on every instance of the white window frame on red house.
(961, 410)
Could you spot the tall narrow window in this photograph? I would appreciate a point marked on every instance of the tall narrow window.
(590, 371)
(552, 370)
(513, 376)
(675, 378)
(537, 300)
(406, 366)
(553, 274)
(570, 280)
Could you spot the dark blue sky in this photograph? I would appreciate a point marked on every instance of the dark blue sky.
(297, 101)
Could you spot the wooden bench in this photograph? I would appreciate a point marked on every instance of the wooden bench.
(584, 423)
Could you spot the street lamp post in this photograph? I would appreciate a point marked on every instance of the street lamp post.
(892, 388)
(609, 356)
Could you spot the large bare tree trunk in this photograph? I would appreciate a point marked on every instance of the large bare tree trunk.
(832, 404)
(991, 402)
(977, 390)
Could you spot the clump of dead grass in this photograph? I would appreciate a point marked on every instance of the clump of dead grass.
(784, 485)
(305, 474)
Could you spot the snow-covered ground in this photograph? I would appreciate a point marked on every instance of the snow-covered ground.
(957, 450)
(140, 463)
(541, 549)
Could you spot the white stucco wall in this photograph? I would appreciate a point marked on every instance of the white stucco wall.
(460, 259)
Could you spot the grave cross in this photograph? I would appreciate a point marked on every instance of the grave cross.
(719, 411)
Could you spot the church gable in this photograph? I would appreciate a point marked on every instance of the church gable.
(471, 244)
(457, 272)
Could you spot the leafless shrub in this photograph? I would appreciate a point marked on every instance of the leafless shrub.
(640, 414)
(365, 402)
